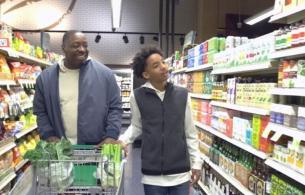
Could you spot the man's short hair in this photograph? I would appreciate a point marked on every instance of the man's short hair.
(139, 61)
(68, 34)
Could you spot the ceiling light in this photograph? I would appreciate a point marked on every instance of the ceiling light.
(98, 38)
(142, 39)
(125, 38)
(155, 38)
(116, 7)
(260, 16)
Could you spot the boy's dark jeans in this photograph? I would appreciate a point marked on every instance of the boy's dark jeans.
(182, 189)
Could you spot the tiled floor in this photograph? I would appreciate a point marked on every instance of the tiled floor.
(132, 180)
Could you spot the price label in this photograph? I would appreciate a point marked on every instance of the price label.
(276, 136)
(266, 133)
(4, 42)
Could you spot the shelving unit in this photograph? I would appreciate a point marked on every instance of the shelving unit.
(182, 70)
(7, 179)
(237, 143)
(288, 131)
(298, 177)
(201, 96)
(21, 164)
(229, 178)
(201, 67)
(7, 146)
(246, 109)
(243, 69)
(289, 16)
(15, 55)
(289, 91)
(204, 188)
(289, 53)
(24, 132)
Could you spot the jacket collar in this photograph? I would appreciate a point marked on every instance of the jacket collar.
(149, 88)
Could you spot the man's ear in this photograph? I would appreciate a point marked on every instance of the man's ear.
(145, 75)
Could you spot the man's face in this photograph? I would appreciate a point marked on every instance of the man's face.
(156, 69)
(76, 48)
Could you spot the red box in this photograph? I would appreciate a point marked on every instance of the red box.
(229, 128)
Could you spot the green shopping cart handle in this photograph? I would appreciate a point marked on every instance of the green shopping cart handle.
(83, 147)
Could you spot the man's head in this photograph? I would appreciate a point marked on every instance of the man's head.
(75, 47)
(149, 64)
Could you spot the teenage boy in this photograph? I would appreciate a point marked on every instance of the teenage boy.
(161, 113)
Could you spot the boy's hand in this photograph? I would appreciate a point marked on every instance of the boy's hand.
(196, 174)
(108, 141)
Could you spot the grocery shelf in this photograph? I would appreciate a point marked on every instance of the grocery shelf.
(203, 156)
(204, 188)
(24, 132)
(182, 70)
(7, 179)
(21, 164)
(243, 68)
(288, 91)
(253, 110)
(26, 82)
(288, 131)
(206, 145)
(237, 143)
(24, 57)
(201, 96)
(234, 182)
(7, 82)
(7, 147)
(289, 53)
(31, 59)
(286, 171)
(27, 107)
(200, 67)
(290, 16)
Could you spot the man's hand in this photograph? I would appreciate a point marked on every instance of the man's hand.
(108, 141)
(196, 175)
(53, 139)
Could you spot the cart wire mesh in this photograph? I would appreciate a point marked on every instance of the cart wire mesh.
(87, 172)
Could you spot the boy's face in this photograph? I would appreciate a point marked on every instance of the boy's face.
(156, 69)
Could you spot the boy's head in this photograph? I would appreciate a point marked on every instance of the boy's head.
(149, 64)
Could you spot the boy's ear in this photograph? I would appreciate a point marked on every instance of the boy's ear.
(145, 75)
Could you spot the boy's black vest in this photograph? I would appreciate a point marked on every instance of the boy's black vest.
(164, 147)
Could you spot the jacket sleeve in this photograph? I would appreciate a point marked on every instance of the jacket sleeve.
(114, 117)
(44, 126)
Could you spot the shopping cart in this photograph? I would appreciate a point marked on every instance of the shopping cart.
(87, 172)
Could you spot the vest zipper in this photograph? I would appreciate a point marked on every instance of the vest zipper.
(162, 144)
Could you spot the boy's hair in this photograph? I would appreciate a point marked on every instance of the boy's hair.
(139, 61)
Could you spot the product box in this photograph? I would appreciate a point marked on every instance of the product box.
(300, 74)
(256, 133)
(242, 174)
(191, 53)
(260, 187)
(291, 159)
(252, 180)
(213, 44)
(205, 47)
(190, 62)
(300, 159)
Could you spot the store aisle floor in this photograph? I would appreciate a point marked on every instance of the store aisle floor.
(133, 185)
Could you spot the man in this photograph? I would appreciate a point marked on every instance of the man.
(78, 98)
(161, 113)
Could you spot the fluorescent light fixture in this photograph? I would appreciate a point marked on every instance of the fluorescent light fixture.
(260, 16)
(116, 6)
